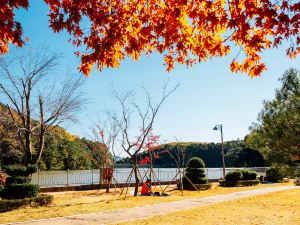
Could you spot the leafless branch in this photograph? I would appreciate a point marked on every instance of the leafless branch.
(34, 108)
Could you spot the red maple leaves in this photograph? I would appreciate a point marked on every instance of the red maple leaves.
(185, 32)
(150, 147)
(10, 29)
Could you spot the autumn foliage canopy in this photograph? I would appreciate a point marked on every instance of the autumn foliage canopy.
(183, 31)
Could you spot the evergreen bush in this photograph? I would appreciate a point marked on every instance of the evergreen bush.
(240, 178)
(20, 191)
(274, 174)
(20, 171)
(18, 180)
(235, 175)
(8, 205)
(18, 185)
(249, 175)
(195, 173)
(11, 204)
(239, 183)
(43, 200)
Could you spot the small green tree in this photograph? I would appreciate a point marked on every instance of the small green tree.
(276, 134)
(18, 184)
(195, 172)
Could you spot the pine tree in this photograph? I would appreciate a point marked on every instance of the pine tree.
(195, 172)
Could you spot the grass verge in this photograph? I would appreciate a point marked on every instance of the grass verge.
(271, 209)
(71, 203)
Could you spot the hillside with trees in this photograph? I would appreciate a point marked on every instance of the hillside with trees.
(62, 149)
(237, 154)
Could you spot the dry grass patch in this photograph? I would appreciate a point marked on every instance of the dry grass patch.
(272, 209)
(72, 203)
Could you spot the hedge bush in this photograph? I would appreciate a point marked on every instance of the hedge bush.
(239, 183)
(234, 176)
(239, 178)
(20, 171)
(8, 205)
(249, 175)
(20, 191)
(241, 175)
(18, 180)
(194, 172)
(274, 174)
(191, 187)
(41, 200)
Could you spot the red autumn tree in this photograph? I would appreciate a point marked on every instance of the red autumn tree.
(133, 136)
(184, 31)
(152, 142)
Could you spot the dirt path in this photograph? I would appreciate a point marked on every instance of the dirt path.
(135, 213)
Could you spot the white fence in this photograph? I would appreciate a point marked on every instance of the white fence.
(88, 177)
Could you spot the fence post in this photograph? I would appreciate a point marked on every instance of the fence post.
(92, 178)
(38, 174)
(67, 177)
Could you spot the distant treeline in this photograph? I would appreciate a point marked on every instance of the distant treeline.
(237, 154)
(66, 151)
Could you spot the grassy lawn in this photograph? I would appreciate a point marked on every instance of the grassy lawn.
(275, 208)
(71, 203)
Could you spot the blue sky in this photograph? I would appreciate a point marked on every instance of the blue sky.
(209, 93)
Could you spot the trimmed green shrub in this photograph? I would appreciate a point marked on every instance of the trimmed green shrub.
(238, 178)
(249, 175)
(8, 205)
(20, 171)
(195, 173)
(239, 183)
(274, 174)
(43, 200)
(20, 191)
(189, 186)
(18, 180)
(235, 175)
(32, 169)
(11, 204)
(18, 185)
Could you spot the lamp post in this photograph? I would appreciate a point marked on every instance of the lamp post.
(219, 127)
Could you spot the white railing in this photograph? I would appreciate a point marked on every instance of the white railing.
(89, 177)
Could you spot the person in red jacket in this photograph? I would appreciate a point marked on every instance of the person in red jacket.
(2, 179)
(146, 190)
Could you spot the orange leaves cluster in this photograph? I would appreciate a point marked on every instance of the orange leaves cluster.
(10, 30)
(183, 31)
(260, 25)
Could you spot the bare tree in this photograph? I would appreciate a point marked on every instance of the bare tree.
(178, 153)
(35, 99)
(133, 141)
(103, 149)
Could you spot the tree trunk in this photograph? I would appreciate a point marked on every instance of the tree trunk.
(135, 170)
(42, 133)
(108, 185)
(41, 146)
(28, 152)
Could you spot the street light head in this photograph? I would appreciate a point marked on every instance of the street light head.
(215, 128)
